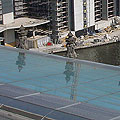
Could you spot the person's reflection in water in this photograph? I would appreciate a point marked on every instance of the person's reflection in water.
(75, 81)
(72, 70)
(21, 61)
(68, 71)
(119, 83)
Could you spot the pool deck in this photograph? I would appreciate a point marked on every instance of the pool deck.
(50, 106)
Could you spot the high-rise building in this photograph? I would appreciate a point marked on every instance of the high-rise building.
(59, 18)
(7, 11)
(78, 16)
(104, 9)
(27, 8)
(107, 9)
(18, 12)
(37, 8)
(98, 10)
(19, 8)
(81, 16)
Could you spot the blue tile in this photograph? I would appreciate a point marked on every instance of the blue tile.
(76, 81)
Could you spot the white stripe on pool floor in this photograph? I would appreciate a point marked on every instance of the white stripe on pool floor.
(27, 95)
(60, 108)
(116, 118)
(2, 84)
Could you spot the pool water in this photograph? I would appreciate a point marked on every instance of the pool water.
(92, 83)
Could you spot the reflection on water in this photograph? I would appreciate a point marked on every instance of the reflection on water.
(119, 83)
(71, 72)
(68, 71)
(108, 54)
(21, 61)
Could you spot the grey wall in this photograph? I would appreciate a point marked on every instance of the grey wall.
(7, 6)
(71, 15)
(104, 9)
(117, 7)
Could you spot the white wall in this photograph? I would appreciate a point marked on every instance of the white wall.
(78, 14)
(91, 13)
(8, 18)
(103, 24)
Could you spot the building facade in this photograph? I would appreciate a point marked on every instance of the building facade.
(37, 8)
(98, 10)
(59, 18)
(78, 16)
(107, 9)
(13, 11)
(81, 13)
(20, 8)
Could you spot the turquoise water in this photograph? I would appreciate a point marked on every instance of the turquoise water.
(92, 83)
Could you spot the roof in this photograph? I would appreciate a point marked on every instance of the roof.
(25, 21)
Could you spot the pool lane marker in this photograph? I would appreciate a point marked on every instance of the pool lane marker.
(68, 106)
(116, 118)
(2, 84)
(37, 93)
(60, 108)
(27, 95)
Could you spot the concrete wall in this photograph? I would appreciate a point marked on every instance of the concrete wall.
(105, 9)
(71, 15)
(9, 36)
(117, 7)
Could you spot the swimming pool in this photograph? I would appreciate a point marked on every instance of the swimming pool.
(93, 83)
